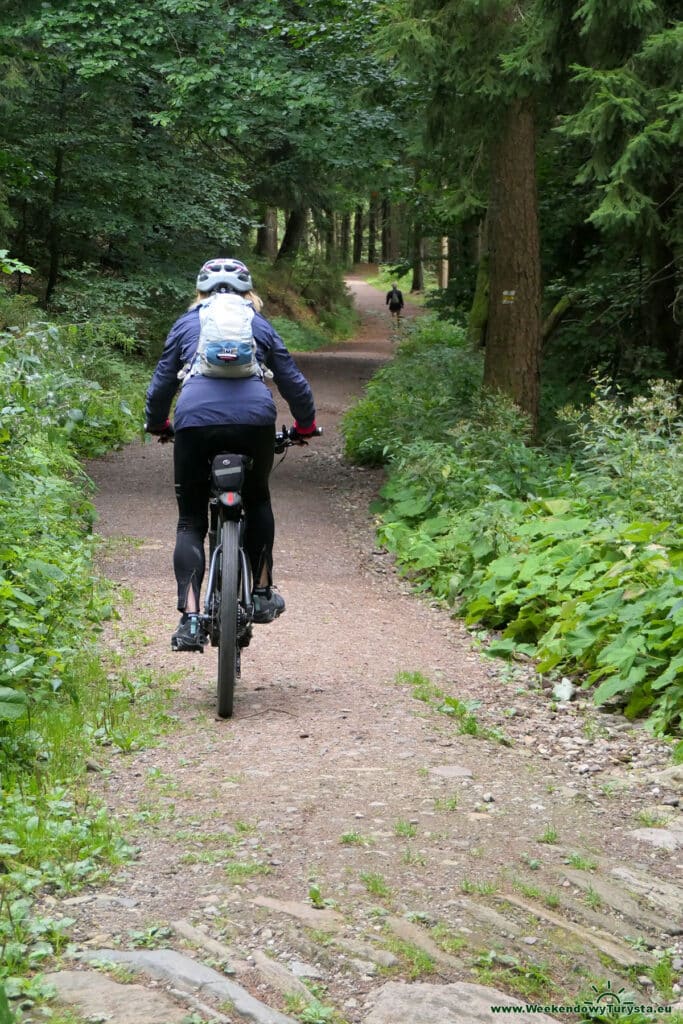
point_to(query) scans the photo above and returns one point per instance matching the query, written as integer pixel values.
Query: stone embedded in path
(366, 951)
(91, 994)
(662, 895)
(278, 977)
(231, 962)
(617, 898)
(489, 918)
(185, 973)
(600, 940)
(671, 777)
(328, 920)
(302, 970)
(669, 839)
(451, 771)
(416, 936)
(460, 1003)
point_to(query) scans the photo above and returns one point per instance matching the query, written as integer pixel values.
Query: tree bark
(295, 230)
(555, 317)
(330, 236)
(443, 263)
(394, 232)
(345, 239)
(386, 220)
(266, 235)
(54, 231)
(418, 281)
(372, 229)
(513, 341)
(358, 235)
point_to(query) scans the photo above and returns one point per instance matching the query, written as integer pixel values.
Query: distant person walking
(395, 302)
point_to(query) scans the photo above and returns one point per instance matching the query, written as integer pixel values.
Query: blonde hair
(256, 300)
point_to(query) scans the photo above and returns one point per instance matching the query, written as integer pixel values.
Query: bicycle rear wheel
(229, 584)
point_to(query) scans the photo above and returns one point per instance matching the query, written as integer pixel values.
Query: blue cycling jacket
(213, 401)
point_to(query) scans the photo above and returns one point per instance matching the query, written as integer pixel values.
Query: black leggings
(193, 451)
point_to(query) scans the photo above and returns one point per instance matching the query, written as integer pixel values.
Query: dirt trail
(530, 865)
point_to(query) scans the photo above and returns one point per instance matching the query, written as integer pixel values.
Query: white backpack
(227, 347)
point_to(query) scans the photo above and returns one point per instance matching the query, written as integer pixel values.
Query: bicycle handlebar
(289, 436)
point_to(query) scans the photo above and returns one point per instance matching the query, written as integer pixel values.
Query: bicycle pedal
(183, 647)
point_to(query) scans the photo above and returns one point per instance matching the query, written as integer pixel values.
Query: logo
(608, 997)
(607, 1004)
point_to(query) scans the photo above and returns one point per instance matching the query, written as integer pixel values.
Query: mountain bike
(227, 620)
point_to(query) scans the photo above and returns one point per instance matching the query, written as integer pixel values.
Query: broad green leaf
(610, 688)
(13, 704)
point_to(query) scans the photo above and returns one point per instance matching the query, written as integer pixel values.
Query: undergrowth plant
(573, 557)
(425, 391)
(66, 393)
(300, 337)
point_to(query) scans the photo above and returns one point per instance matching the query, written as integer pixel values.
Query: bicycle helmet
(224, 271)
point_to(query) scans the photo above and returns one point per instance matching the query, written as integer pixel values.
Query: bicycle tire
(229, 590)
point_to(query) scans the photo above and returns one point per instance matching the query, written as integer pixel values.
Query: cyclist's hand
(164, 431)
(303, 434)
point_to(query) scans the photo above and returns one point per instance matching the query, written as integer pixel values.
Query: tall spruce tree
(628, 126)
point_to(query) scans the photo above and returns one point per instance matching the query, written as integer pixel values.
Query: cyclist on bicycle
(215, 415)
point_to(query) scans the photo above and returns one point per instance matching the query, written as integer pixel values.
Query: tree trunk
(330, 236)
(443, 263)
(358, 235)
(54, 231)
(555, 317)
(418, 281)
(663, 332)
(394, 233)
(372, 229)
(479, 311)
(513, 341)
(295, 230)
(266, 235)
(386, 218)
(345, 240)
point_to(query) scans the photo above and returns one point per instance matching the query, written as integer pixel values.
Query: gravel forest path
(340, 831)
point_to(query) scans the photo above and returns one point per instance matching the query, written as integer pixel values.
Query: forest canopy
(528, 153)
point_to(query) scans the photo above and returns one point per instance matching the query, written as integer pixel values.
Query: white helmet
(226, 271)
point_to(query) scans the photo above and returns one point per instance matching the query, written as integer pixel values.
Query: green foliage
(16, 311)
(375, 884)
(632, 452)
(298, 337)
(126, 145)
(54, 835)
(49, 838)
(319, 287)
(417, 962)
(6, 1015)
(8, 265)
(527, 979)
(64, 392)
(387, 275)
(631, 117)
(576, 560)
(138, 306)
(423, 393)
(468, 723)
